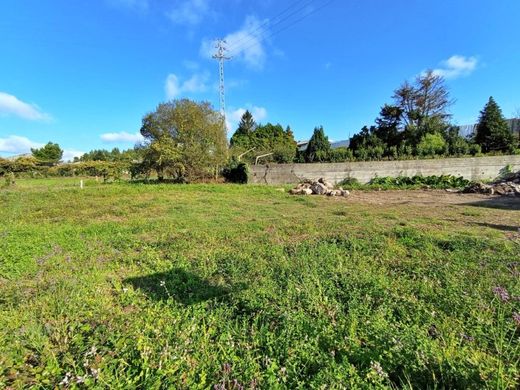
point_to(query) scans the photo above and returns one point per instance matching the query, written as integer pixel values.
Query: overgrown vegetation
(207, 286)
(184, 141)
(417, 124)
(407, 182)
(270, 141)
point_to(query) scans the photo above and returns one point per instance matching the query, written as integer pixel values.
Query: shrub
(236, 172)
(475, 149)
(340, 155)
(440, 182)
(431, 145)
(9, 179)
(349, 182)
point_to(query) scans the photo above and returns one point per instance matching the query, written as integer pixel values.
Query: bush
(9, 179)
(431, 145)
(475, 149)
(340, 155)
(236, 172)
(349, 182)
(439, 182)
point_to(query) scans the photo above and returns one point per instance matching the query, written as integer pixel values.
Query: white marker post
(81, 184)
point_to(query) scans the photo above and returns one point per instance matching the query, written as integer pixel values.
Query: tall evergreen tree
(318, 148)
(246, 126)
(492, 132)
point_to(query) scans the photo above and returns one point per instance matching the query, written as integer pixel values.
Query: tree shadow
(504, 228)
(183, 286)
(498, 202)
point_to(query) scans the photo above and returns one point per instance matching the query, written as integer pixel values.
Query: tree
(184, 140)
(49, 154)
(246, 126)
(424, 106)
(266, 139)
(418, 109)
(492, 132)
(113, 156)
(318, 148)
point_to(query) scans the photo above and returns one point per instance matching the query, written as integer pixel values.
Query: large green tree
(318, 148)
(49, 154)
(264, 139)
(492, 132)
(184, 140)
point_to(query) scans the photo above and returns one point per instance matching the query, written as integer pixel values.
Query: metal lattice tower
(220, 56)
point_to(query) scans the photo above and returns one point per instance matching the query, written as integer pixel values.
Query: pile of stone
(508, 185)
(320, 187)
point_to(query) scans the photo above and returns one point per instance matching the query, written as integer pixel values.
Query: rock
(318, 188)
(326, 183)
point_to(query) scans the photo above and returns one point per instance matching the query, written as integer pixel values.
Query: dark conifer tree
(492, 132)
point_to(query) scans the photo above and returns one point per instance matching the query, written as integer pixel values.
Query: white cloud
(456, 66)
(122, 136)
(233, 116)
(246, 44)
(189, 12)
(69, 154)
(15, 144)
(197, 83)
(11, 105)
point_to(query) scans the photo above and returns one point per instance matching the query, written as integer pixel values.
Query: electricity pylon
(220, 56)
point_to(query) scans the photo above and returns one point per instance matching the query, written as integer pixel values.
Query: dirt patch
(432, 197)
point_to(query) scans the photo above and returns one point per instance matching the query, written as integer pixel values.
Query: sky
(83, 73)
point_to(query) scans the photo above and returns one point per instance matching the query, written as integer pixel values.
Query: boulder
(318, 188)
(326, 183)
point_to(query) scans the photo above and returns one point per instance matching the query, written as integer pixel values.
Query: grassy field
(242, 287)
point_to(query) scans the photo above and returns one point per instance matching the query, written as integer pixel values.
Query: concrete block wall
(472, 168)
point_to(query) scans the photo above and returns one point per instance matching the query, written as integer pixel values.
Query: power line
(251, 34)
(240, 48)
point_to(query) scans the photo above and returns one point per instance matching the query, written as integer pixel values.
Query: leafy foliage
(50, 154)
(236, 172)
(416, 124)
(438, 182)
(110, 155)
(184, 140)
(263, 139)
(431, 144)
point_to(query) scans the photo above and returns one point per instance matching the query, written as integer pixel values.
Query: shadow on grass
(504, 228)
(183, 286)
(498, 202)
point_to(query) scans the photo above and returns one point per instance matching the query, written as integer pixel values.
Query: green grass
(225, 286)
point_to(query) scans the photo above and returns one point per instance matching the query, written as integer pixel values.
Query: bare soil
(434, 197)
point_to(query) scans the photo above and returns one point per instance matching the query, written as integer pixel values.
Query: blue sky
(83, 73)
